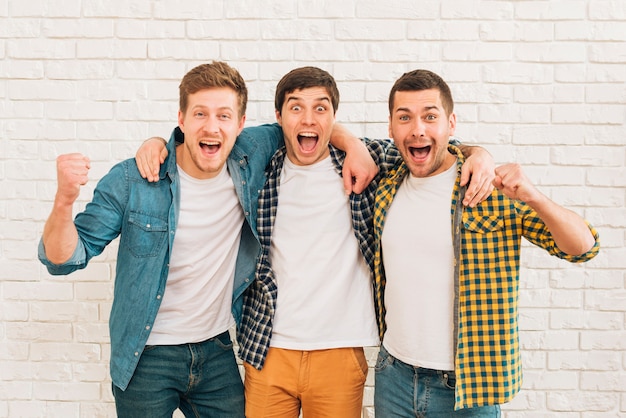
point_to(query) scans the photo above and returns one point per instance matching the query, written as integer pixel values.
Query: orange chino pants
(322, 383)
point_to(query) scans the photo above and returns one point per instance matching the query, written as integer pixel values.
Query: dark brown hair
(418, 80)
(304, 78)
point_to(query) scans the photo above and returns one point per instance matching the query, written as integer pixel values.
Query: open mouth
(307, 141)
(419, 153)
(210, 147)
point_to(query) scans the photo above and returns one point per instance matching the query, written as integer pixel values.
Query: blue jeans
(201, 379)
(402, 390)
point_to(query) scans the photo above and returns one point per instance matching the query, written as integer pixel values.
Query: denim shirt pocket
(145, 234)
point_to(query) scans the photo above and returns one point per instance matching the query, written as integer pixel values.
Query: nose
(210, 125)
(419, 128)
(308, 117)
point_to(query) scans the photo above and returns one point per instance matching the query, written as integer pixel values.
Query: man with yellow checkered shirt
(447, 276)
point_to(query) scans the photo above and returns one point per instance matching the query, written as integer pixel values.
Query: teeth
(307, 134)
(209, 143)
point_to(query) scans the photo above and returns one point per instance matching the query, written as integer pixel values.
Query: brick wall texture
(539, 82)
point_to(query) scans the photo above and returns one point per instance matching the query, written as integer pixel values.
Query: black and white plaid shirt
(259, 303)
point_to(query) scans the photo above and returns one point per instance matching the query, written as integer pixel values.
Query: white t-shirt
(324, 285)
(419, 266)
(198, 293)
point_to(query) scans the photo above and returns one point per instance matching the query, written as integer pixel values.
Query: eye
(431, 117)
(198, 114)
(295, 108)
(404, 118)
(320, 108)
(224, 116)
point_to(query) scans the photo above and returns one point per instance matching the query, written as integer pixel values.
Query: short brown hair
(215, 74)
(418, 80)
(304, 78)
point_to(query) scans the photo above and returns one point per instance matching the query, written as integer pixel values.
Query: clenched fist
(72, 171)
(511, 180)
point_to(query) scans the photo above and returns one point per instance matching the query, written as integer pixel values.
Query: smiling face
(307, 117)
(211, 124)
(420, 128)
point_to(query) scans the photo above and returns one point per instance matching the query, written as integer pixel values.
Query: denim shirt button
(136, 353)
(147, 327)
(158, 297)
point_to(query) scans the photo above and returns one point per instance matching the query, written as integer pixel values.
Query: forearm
(343, 139)
(59, 234)
(569, 231)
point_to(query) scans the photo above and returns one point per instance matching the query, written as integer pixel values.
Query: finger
(465, 175)
(144, 171)
(359, 184)
(347, 182)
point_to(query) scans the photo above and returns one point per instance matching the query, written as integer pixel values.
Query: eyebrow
(221, 108)
(319, 99)
(406, 109)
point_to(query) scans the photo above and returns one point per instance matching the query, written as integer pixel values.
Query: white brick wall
(541, 82)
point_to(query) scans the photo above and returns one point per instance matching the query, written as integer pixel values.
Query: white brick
(472, 10)
(554, 380)
(552, 340)
(116, 9)
(16, 389)
(584, 360)
(112, 49)
(232, 29)
(77, 28)
(66, 352)
(66, 391)
(17, 291)
(251, 9)
(70, 312)
(327, 9)
(577, 401)
(603, 340)
(368, 30)
(607, 10)
(34, 331)
(561, 10)
(97, 410)
(53, 8)
(44, 409)
(404, 9)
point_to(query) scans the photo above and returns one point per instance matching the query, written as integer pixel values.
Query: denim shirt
(145, 217)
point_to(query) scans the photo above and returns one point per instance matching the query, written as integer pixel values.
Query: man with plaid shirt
(309, 312)
(447, 276)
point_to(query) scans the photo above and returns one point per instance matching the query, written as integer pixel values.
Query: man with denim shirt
(183, 240)
(447, 276)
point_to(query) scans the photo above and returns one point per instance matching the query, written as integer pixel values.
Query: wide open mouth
(210, 146)
(420, 153)
(307, 141)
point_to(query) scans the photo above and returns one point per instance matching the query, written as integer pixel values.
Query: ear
(242, 122)
(279, 118)
(452, 122)
(389, 128)
(181, 120)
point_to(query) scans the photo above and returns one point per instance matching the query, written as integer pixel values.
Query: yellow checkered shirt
(487, 246)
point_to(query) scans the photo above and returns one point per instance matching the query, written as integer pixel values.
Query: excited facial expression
(307, 118)
(211, 124)
(421, 129)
